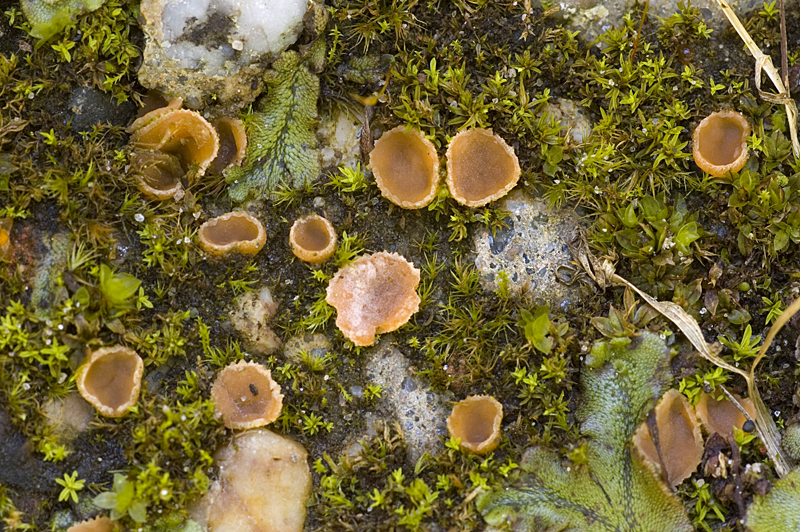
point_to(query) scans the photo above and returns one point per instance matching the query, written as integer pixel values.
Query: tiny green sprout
(63, 49)
(454, 444)
(49, 137)
(72, 485)
(372, 391)
(770, 11)
(536, 327)
(349, 179)
(747, 348)
(122, 500)
(507, 468)
(715, 87)
(772, 309)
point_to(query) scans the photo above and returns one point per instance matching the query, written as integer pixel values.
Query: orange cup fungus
(245, 396)
(6, 224)
(476, 422)
(481, 167)
(181, 132)
(111, 379)
(98, 524)
(679, 439)
(313, 238)
(232, 143)
(234, 231)
(170, 143)
(720, 143)
(159, 174)
(374, 294)
(720, 415)
(406, 167)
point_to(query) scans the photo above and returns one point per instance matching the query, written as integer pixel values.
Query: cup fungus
(406, 167)
(180, 132)
(111, 379)
(313, 238)
(481, 167)
(98, 524)
(374, 294)
(476, 421)
(245, 396)
(159, 174)
(232, 143)
(720, 143)
(720, 415)
(234, 231)
(679, 439)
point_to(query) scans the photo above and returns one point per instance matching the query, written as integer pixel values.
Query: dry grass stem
(764, 62)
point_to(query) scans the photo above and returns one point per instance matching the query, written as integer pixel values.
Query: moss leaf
(778, 510)
(281, 144)
(614, 490)
(48, 18)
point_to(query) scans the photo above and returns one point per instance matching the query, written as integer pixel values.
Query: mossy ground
(732, 262)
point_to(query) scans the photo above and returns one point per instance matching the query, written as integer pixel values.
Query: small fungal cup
(111, 379)
(180, 132)
(481, 167)
(720, 143)
(374, 294)
(476, 422)
(313, 239)
(245, 396)
(234, 231)
(679, 438)
(406, 167)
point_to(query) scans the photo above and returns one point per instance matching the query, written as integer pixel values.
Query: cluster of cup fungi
(377, 292)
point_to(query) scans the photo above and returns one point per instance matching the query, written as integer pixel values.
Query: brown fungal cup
(232, 143)
(98, 524)
(679, 439)
(313, 238)
(180, 132)
(111, 379)
(234, 231)
(476, 422)
(721, 416)
(481, 167)
(720, 143)
(374, 294)
(406, 167)
(246, 396)
(159, 174)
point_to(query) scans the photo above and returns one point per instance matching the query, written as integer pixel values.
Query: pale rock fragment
(197, 49)
(263, 486)
(250, 316)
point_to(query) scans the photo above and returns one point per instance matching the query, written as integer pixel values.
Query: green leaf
(687, 234)
(138, 512)
(614, 490)
(106, 500)
(536, 327)
(281, 143)
(781, 240)
(118, 288)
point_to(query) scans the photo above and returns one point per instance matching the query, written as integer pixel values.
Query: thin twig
(764, 62)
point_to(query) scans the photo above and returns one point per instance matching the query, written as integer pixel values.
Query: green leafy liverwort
(611, 489)
(778, 510)
(281, 145)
